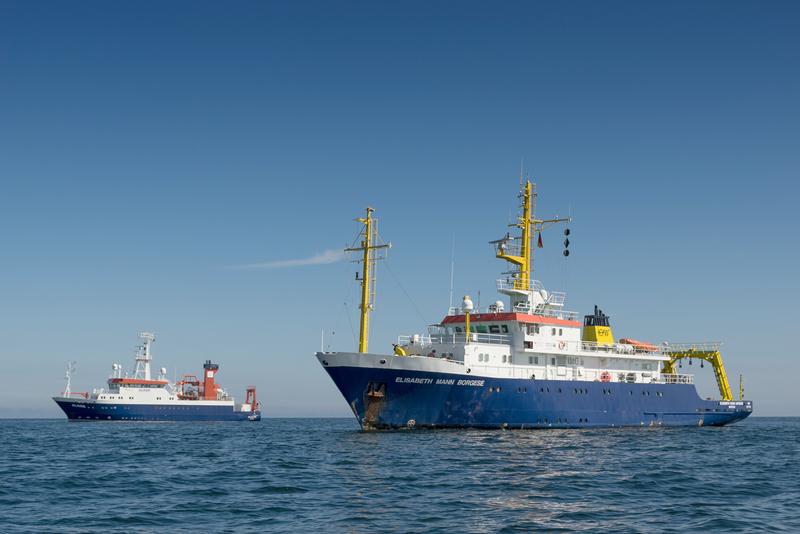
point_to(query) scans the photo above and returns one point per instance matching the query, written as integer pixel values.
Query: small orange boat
(639, 345)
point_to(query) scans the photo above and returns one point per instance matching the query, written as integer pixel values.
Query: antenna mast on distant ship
(68, 377)
(369, 244)
(143, 357)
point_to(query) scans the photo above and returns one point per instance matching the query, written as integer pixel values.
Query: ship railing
(704, 346)
(510, 284)
(545, 311)
(618, 348)
(454, 310)
(675, 379)
(453, 339)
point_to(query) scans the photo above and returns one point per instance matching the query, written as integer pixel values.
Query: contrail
(328, 256)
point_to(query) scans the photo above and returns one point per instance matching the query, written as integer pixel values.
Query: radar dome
(466, 304)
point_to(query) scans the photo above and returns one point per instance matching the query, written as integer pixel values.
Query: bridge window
(494, 329)
(533, 329)
(504, 328)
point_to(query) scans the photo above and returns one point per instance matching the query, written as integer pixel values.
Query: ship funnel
(597, 328)
(210, 387)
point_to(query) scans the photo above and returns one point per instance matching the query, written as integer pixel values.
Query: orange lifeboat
(639, 345)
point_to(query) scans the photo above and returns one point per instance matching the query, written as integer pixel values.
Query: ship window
(560, 331)
(528, 344)
(509, 358)
(481, 329)
(533, 329)
(536, 360)
(530, 360)
(458, 330)
(504, 358)
(494, 329)
(504, 328)
(552, 361)
(554, 331)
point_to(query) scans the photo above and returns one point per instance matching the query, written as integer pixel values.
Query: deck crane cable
(350, 320)
(403, 289)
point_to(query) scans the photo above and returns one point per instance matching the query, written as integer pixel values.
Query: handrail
(456, 338)
(702, 346)
(509, 284)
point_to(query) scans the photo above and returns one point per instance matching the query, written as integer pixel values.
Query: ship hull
(382, 397)
(77, 409)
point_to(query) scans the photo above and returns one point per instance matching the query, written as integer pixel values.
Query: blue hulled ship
(523, 362)
(141, 397)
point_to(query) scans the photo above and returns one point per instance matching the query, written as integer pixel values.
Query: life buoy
(605, 376)
(562, 345)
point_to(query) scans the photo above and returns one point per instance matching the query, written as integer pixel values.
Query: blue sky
(147, 149)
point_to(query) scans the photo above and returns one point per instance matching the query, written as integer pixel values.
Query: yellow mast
(368, 237)
(530, 225)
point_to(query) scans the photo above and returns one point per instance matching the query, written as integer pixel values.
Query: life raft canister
(605, 376)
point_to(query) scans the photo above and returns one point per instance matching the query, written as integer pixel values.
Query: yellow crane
(702, 351)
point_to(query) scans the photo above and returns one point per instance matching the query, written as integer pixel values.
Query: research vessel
(140, 397)
(523, 362)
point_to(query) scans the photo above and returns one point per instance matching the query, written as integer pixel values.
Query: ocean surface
(300, 475)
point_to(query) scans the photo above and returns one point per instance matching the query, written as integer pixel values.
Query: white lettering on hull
(439, 381)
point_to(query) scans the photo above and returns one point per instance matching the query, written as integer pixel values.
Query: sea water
(300, 475)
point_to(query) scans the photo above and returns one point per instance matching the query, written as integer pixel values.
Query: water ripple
(294, 474)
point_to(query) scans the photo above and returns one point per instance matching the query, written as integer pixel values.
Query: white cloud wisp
(323, 258)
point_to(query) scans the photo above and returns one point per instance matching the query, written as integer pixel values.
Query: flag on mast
(539, 243)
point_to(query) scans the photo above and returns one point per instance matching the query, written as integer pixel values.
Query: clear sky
(149, 150)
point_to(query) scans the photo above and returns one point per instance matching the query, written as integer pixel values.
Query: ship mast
(368, 244)
(143, 357)
(522, 256)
